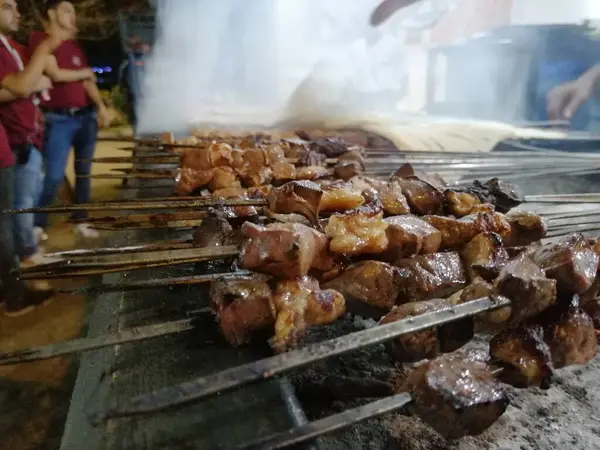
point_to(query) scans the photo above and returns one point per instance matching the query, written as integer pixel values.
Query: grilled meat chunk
(457, 232)
(592, 308)
(524, 357)
(311, 173)
(356, 232)
(459, 204)
(330, 147)
(339, 197)
(570, 334)
(526, 285)
(242, 307)
(525, 228)
(392, 199)
(408, 236)
(571, 262)
(283, 172)
(299, 197)
(504, 196)
(430, 276)
(188, 180)
(369, 287)
(406, 170)
(484, 256)
(480, 288)
(287, 250)
(217, 154)
(310, 158)
(456, 394)
(214, 231)
(224, 177)
(422, 197)
(232, 212)
(298, 304)
(428, 343)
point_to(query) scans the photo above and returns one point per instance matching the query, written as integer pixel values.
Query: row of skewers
(410, 251)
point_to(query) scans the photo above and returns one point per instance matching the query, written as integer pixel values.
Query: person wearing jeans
(20, 132)
(62, 131)
(73, 112)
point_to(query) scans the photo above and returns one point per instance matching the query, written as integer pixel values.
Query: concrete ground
(34, 397)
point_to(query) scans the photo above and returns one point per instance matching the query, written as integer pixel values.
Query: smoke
(251, 64)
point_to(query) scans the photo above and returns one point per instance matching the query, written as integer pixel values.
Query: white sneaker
(84, 230)
(40, 234)
(36, 260)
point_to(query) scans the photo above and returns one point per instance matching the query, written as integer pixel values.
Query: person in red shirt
(20, 133)
(73, 112)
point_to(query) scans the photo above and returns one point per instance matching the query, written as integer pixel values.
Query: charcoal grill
(235, 418)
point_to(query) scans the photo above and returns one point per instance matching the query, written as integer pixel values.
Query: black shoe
(19, 305)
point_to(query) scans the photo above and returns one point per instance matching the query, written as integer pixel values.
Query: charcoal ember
(456, 394)
(524, 357)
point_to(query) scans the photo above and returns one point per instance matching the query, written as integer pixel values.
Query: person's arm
(58, 75)
(93, 93)
(25, 82)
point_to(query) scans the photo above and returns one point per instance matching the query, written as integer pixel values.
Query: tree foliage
(96, 19)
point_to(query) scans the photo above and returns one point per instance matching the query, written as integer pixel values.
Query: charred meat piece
(570, 334)
(423, 197)
(242, 307)
(214, 231)
(369, 287)
(311, 173)
(526, 285)
(298, 304)
(430, 276)
(428, 343)
(457, 232)
(188, 180)
(406, 170)
(297, 197)
(356, 232)
(571, 262)
(311, 158)
(339, 197)
(349, 165)
(525, 228)
(287, 250)
(409, 236)
(456, 394)
(524, 356)
(345, 170)
(504, 196)
(484, 256)
(330, 147)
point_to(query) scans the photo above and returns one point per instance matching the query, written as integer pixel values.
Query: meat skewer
(275, 365)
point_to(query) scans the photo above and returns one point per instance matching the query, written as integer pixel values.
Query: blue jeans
(62, 133)
(26, 195)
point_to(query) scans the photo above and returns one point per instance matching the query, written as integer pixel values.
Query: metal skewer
(281, 363)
